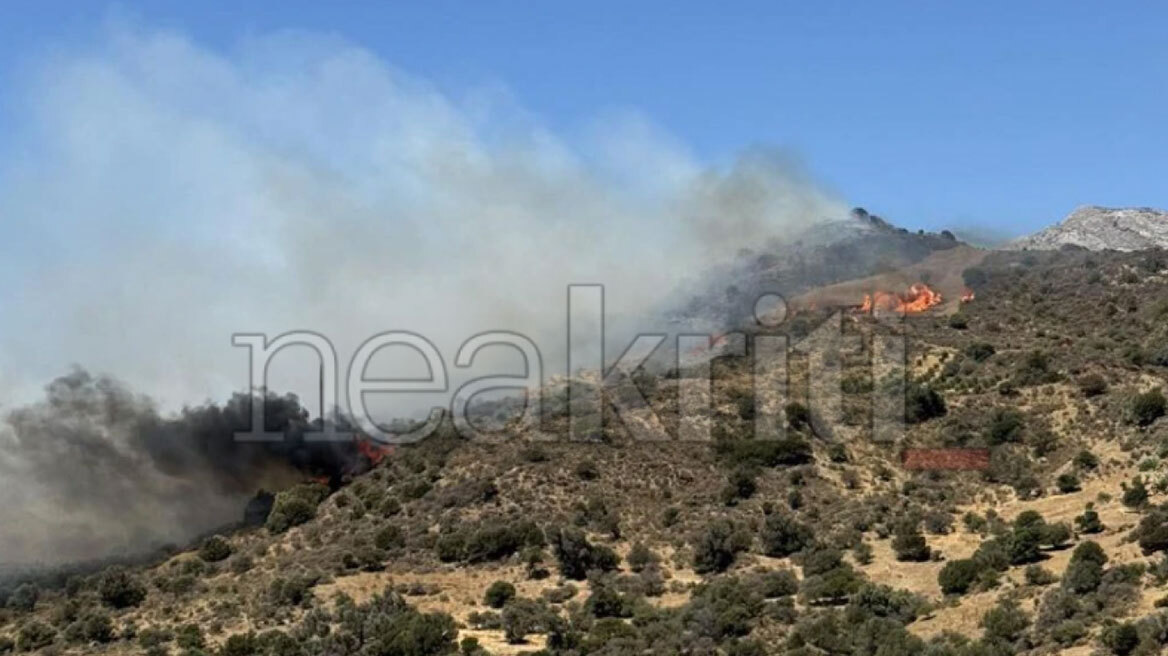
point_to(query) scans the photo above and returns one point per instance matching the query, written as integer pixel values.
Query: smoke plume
(163, 196)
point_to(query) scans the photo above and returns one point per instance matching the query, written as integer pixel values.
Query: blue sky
(997, 114)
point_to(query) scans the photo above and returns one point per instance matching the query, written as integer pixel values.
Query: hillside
(1103, 228)
(817, 543)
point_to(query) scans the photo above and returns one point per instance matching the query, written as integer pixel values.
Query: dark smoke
(94, 470)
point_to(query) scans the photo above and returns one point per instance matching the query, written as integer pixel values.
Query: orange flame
(920, 297)
(967, 295)
(375, 453)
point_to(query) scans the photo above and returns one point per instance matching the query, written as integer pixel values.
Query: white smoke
(163, 196)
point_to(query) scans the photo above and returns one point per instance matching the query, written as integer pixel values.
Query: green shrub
(781, 535)
(1067, 483)
(577, 556)
(24, 598)
(957, 576)
(34, 635)
(295, 506)
(119, 589)
(498, 594)
(214, 549)
(389, 537)
(717, 545)
(922, 403)
(1085, 571)
(1147, 407)
(909, 545)
(1092, 385)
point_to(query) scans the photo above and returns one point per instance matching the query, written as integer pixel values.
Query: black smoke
(95, 470)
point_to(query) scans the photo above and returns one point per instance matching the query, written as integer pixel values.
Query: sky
(173, 173)
(1000, 115)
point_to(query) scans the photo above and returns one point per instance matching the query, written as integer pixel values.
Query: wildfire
(920, 297)
(375, 453)
(967, 295)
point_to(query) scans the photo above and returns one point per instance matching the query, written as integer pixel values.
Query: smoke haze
(163, 196)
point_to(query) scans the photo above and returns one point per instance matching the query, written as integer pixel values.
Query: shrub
(119, 589)
(1089, 522)
(577, 556)
(1122, 639)
(1067, 483)
(741, 485)
(640, 557)
(214, 549)
(979, 351)
(1005, 622)
(24, 598)
(781, 535)
(97, 627)
(389, 537)
(586, 470)
(35, 635)
(1086, 460)
(957, 576)
(1037, 575)
(1005, 426)
(1092, 385)
(1152, 531)
(922, 403)
(498, 594)
(1147, 407)
(1136, 494)
(1085, 571)
(958, 322)
(295, 506)
(717, 545)
(909, 545)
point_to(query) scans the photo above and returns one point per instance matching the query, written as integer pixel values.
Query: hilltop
(1103, 228)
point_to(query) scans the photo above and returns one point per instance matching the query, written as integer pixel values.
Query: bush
(717, 545)
(389, 537)
(1136, 494)
(577, 556)
(1005, 622)
(1085, 571)
(24, 598)
(909, 545)
(1089, 522)
(979, 351)
(922, 403)
(295, 506)
(957, 576)
(35, 635)
(586, 470)
(1122, 639)
(1152, 531)
(214, 549)
(640, 557)
(97, 627)
(1037, 575)
(1067, 483)
(1005, 426)
(1086, 460)
(498, 594)
(782, 536)
(1147, 407)
(119, 589)
(1092, 385)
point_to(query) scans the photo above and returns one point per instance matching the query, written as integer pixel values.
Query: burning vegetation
(918, 298)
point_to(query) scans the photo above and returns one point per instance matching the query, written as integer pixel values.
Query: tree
(1152, 531)
(1085, 571)
(957, 576)
(498, 594)
(1122, 639)
(717, 545)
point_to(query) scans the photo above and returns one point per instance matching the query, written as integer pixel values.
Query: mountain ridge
(1095, 227)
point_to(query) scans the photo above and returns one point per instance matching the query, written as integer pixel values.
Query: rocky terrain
(1103, 228)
